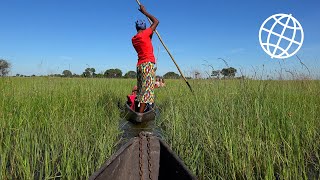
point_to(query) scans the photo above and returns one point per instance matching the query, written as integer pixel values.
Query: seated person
(157, 83)
(162, 84)
(131, 97)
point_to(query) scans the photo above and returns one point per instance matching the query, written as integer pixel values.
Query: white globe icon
(281, 36)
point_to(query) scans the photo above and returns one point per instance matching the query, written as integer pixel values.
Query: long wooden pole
(169, 53)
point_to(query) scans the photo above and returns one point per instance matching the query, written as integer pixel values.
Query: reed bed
(56, 128)
(245, 129)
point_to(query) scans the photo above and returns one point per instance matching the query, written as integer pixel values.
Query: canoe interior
(135, 161)
(136, 117)
(171, 166)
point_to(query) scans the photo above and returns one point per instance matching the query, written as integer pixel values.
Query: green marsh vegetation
(231, 129)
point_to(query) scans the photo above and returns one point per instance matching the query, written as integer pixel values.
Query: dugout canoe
(143, 157)
(136, 117)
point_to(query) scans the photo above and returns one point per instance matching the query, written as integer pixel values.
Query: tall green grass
(244, 129)
(232, 129)
(53, 128)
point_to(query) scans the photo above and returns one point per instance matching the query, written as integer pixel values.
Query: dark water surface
(130, 130)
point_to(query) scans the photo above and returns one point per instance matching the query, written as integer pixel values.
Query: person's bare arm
(154, 20)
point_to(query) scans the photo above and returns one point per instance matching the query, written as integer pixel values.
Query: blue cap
(140, 25)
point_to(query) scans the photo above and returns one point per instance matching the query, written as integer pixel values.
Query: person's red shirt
(143, 45)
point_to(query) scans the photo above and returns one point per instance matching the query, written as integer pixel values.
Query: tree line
(110, 73)
(229, 72)
(91, 73)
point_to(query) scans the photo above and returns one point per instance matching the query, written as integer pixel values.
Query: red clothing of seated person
(131, 97)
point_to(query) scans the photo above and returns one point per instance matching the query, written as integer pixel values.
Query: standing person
(146, 60)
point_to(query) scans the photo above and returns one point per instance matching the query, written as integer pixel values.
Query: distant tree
(229, 72)
(57, 75)
(216, 73)
(85, 74)
(171, 75)
(130, 74)
(100, 75)
(67, 73)
(93, 72)
(4, 67)
(113, 73)
(17, 75)
(76, 75)
(89, 72)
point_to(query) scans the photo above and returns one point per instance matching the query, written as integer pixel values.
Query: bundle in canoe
(143, 157)
(136, 117)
